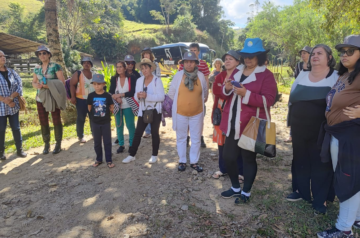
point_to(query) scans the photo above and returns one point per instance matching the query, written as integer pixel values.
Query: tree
(168, 8)
(52, 33)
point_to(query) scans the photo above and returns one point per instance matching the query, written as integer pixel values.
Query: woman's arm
(60, 76)
(159, 94)
(138, 88)
(35, 83)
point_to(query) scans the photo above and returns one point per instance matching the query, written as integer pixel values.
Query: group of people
(324, 115)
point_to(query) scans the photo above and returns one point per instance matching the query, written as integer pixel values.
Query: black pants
(102, 132)
(311, 175)
(140, 128)
(231, 154)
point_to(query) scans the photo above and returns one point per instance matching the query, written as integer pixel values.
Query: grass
(31, 6)
(284, 76)
(141, 28)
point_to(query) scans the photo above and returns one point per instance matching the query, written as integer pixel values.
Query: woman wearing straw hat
(10, 89)
(46, 73)
(188, 91)
(256, 82)
(149, 93)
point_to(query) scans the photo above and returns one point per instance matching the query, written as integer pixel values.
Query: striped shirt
(203, 68)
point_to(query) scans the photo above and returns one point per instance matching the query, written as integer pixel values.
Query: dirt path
(62, 196)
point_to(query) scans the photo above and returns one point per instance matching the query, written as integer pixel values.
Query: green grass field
(141, 28)
(31, 6)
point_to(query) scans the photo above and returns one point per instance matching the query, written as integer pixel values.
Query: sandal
(241, 179)
(182, 167)
(289, 140)
(196, 167)
(110, 165)
(218, 174)
(147, 135)
(97, 163)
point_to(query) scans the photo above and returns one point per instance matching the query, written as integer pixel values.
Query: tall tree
(52, 33)
(168, 8)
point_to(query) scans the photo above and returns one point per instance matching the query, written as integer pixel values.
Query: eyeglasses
(42, 53)
(348, 52)
(130, 63)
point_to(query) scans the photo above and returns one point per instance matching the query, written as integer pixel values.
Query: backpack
(67, 85)
(167, 106)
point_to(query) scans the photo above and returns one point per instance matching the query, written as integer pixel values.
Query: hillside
(31, 6)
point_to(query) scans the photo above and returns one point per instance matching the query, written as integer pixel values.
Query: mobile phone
(236, 84)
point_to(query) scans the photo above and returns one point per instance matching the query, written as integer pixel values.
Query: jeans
(129, 117)
(102, 132)
(82, 111)
(349, 209)
(15, 127)
(148, 129)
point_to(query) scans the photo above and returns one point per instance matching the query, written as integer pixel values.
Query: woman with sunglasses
(149, 93)
(341, 139)
(45, 72)
(254, 81)
(122, 89)
(130, 66)
(10, 89)
(313, 179)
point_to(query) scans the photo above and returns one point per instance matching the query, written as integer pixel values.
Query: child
(100, 104)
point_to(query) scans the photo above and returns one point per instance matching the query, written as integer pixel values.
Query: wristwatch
(12, 99)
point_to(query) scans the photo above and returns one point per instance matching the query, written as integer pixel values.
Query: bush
(184, 28)
(108, 46)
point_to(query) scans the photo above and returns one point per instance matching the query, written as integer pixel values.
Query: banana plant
(108, 71)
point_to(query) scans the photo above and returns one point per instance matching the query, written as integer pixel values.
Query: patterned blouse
(49, 74)
(15, 86)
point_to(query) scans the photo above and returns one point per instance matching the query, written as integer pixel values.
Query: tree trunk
(52, 34)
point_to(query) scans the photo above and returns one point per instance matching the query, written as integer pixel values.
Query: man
(80, 87)
(203, 68)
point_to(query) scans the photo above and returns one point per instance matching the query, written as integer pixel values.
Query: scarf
(190, 78)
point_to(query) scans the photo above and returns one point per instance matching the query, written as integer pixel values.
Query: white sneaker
(153, 159)
(128, 159)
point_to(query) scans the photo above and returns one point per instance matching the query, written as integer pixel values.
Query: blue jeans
(82, 111)
(148, 129)
(349, 209)
(15, 127)
(102, 132)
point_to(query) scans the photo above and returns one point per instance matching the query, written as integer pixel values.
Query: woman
(130, 66)
(304, 54)
(122, 89)
(146, 53)
(49, 81)
(342, 137)
(306, 113)
(150, 94)
(188, 91)
(232, 60)
(217, 68)
(10, 89)
(242, 103)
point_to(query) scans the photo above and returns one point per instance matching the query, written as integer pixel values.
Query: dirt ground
(63, 196)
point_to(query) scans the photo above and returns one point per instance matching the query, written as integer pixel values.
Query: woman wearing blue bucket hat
(253, 82)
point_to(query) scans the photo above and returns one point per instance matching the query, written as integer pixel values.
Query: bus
(169, 55)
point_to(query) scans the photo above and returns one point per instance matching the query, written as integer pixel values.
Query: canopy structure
(16, 45)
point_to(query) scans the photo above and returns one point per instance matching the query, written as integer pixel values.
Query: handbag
(148, 114)
(259, 135)
(216, 118)
(22, 103)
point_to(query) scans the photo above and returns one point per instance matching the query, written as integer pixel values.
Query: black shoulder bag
(217, 115)
(148, 114)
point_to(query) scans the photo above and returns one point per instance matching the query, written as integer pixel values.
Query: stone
(52, 184)
(184, 207)
(221, 178)
(194, 172)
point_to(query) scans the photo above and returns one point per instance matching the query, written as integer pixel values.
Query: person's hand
(7, 100)
(114, 96)
(12, 104)
(73, 100)
(144, 95)
(352, 112)
(38, 85)
(119, 100)
(45, 86)
(240, 91)
(139, 95)
(228, 85)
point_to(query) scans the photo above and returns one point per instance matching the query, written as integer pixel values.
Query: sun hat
(146, 61)
(87, 59)
(129, 58)
(42, 48)
(146, 49)
(190, 56)
(349, 41)
(306, 48)
(252, 47)
(232, 53)
(98, 78)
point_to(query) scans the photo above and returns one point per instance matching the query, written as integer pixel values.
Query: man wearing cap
(80, 87)
(188, 90)
(203, 68)
(130, 66)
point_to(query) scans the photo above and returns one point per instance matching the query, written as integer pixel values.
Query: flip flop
(241, 179)
(218, 174)
(97, 163)
(110, 165)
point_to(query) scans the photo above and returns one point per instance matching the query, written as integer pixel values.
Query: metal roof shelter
(16, 45)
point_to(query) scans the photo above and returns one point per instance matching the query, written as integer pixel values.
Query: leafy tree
(184, 28)
(168, 8)
(108, 46)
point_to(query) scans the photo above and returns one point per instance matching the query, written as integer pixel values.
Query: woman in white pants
(189, 91)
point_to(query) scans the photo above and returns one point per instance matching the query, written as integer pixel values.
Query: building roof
(16, 45)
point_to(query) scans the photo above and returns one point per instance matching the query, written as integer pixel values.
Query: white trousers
(195, 125)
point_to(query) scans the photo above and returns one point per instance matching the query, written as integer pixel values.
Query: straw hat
(148, 62)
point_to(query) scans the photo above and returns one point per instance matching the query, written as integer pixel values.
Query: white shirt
(124, 89)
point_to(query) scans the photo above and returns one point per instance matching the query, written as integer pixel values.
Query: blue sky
(236, 10)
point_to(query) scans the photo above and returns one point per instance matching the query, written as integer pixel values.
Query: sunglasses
(130, 63)
(348, 52)
(42, 53)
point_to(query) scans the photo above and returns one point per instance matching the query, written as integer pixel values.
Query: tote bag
(259, 135)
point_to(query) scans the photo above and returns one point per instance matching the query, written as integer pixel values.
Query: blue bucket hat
(252, 47)
(98, 78)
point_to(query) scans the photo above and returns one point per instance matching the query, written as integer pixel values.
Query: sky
(236, 10)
